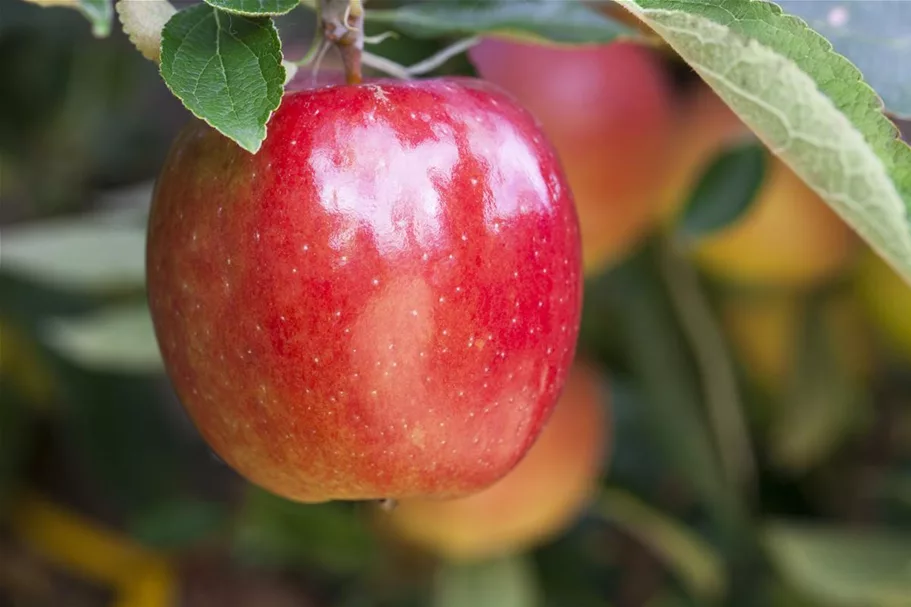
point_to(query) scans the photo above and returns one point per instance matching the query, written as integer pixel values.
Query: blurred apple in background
(540, 498)
(765, 332)
(607, 109)
(809, 356)
(886, 299)
(761, 330)
(788, 237)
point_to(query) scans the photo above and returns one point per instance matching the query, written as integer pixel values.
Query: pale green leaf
(502, 582)
(119, 339)
(85, 255)
(255, 8)
(143, 22)
(854, 568)
(227, 69)
(551, 20)
(806, 102)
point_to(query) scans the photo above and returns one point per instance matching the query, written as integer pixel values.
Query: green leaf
(693, 561)
(551, 20)
(898, 486)
(122, 431)
(858, 568)
(503, 582)
(16, 437)
(227, 69)
(84, 255)
(873, 35)
(824, 400)
(272, 531)
(178, 523)
(663, 372)
(255, 8)
(807, 103)
(119, 339)
(725, 191)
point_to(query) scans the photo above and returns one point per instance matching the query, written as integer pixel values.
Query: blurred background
(751, 358)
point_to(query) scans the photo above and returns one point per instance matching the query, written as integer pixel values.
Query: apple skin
(540, 498)
(383, 302)
(608, 111)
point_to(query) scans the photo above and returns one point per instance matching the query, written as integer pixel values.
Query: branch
(343, 25)
(418, 69)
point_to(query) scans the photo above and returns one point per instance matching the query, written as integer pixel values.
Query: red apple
(608, 110)
(383, 302)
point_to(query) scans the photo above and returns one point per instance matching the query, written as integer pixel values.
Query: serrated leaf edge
(241, 13)
(891, 235)
(253, 149)
(143, 22)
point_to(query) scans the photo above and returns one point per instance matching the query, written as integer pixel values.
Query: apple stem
(380, 37)
(343, 25)
(444, 55)
(418, 69)
(387, 66)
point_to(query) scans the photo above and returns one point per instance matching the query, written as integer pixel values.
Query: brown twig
(343, 26)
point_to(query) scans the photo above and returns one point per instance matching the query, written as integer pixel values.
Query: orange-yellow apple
(788, 237)
(608, 111)
(544, 494)
(764, 330)
(886, 299)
